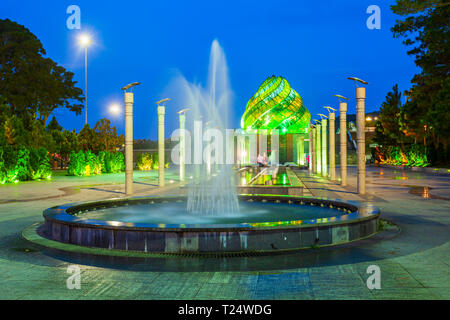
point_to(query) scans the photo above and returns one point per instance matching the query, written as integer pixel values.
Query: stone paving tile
(404, 294)
(349, 292)
(213, 291)
(176, 290)
(441, 293)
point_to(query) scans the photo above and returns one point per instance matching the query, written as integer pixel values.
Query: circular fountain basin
(162, 225)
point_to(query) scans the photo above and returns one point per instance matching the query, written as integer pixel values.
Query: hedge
(87, 163)
(414, 155)
(24, 164)
(148, 161)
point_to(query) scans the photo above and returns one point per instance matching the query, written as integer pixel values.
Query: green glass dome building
(276, 105)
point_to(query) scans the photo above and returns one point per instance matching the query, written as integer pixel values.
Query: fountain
(212, 218)
(213, 192)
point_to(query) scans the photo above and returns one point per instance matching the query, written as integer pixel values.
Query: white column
(324, 149)
(310, 150)
(301, 151)
(343, 141)
(129, 99)
(161, 148)
(319, 148)
(332, 118)
(361, 138)
(314, 148)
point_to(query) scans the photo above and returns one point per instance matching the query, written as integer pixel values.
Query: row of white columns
(129, 100)
(318, 143)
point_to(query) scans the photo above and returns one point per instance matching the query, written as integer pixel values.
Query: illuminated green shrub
(415, 155)
(148, 161)
(87, 163)
(111, 162)
(77, 165)
(24, 164)
(40, 164)
(145, 162)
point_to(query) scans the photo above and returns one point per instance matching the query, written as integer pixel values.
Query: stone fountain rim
(65, 214)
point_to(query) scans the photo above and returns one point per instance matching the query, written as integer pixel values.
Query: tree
(69, 144)
(87, 139)
(425, 30)
(387, 129)
(107, 136)
(53, 125)
(33, 86)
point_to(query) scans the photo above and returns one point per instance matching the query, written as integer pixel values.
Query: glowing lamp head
(84, 40)
(115, 109)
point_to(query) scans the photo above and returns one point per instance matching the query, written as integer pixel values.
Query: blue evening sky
(315, 45)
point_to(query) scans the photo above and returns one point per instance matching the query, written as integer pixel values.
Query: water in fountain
(212, 189)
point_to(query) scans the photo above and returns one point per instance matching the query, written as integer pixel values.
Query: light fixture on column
(324, 145)
(161, 145)
(129, 100)
(332, 144)
(361, 135)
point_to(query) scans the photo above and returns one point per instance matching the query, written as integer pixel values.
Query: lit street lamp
(85, 41)
(129, 99)
(332, 118)
(161, 146)
(324, 145)
(115, 109)
(343, 137)
(360, 134)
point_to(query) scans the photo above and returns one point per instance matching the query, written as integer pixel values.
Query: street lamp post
(85, 42)
(360, 134)
(129, 99)
(161, 146)
(324, 145)
(318, 147)
(310, 150)
(343, 137)
(332, 118)
(313, 148)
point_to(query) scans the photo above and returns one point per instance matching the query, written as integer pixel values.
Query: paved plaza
(413, 256)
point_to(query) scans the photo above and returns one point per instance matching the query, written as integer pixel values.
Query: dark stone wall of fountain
(213, 240)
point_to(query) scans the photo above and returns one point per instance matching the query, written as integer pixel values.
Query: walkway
(414, 264)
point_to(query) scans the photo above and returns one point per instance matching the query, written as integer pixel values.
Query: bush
(87, 163)
(145, 162)
(414, 155)
(112, 162)
(24, 164)
(77, 165)
(148, 161)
